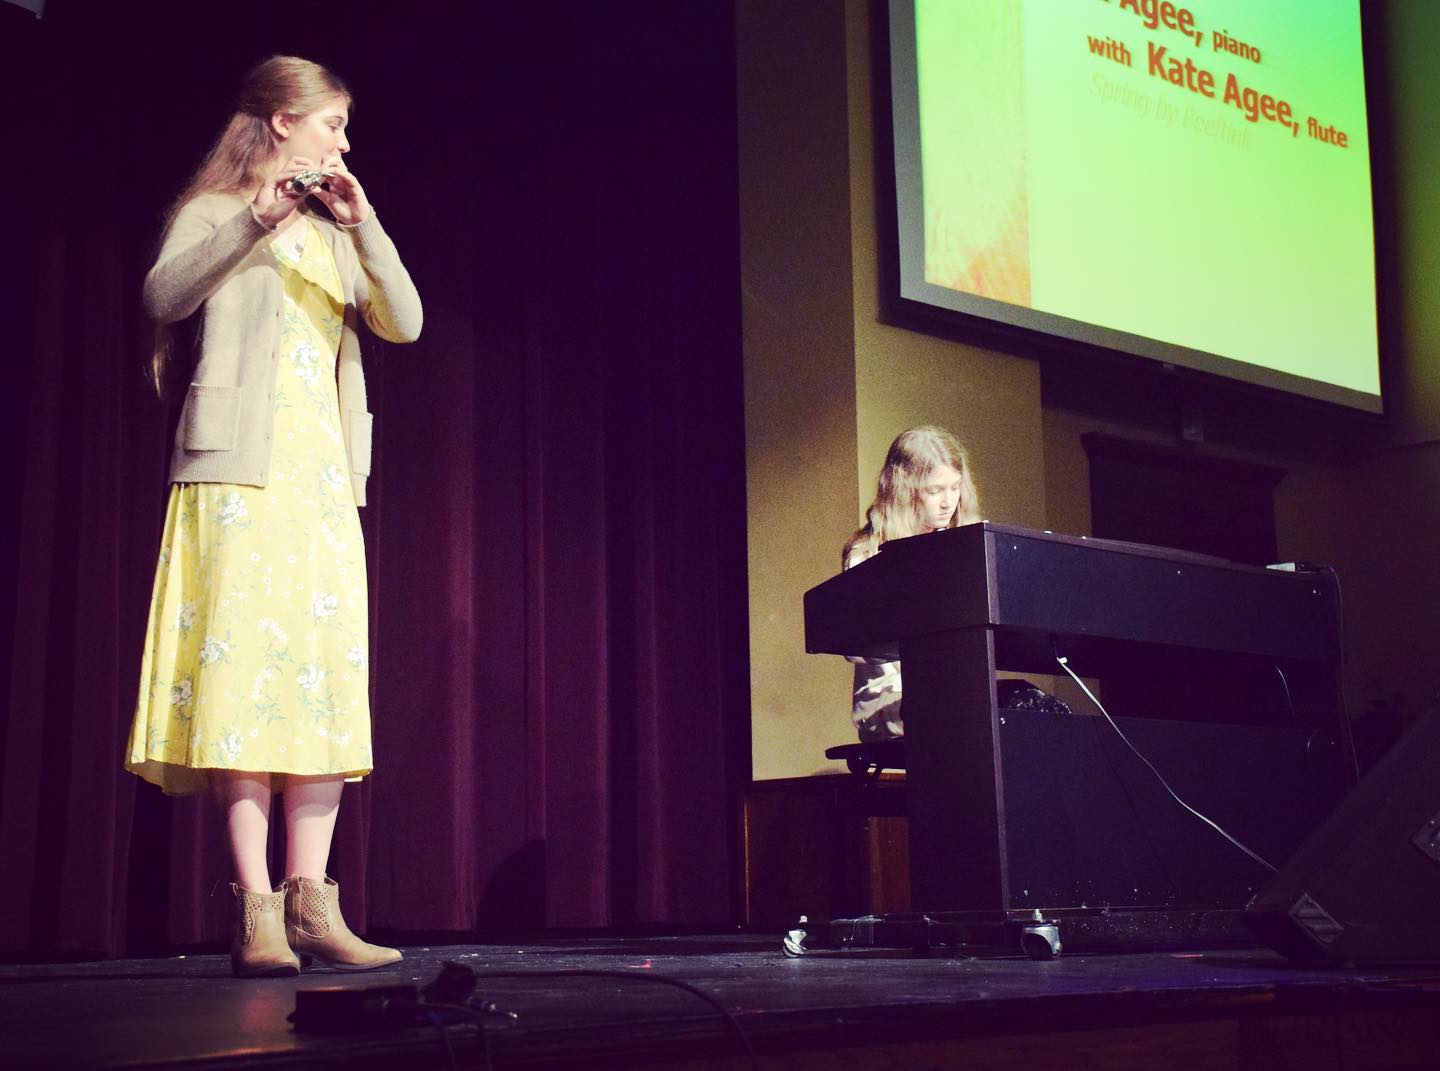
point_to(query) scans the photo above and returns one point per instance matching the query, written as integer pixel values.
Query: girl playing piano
(924, 485)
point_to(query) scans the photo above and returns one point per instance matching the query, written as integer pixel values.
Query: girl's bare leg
(311, 805)
(245, 797)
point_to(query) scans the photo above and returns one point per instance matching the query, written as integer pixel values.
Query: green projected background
(1176, 179)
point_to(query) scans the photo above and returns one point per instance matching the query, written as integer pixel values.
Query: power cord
(433, 1017)
(342, 1010)
(475, 1016)
(351, 1010)
(657, 979)
(1065, 665)
(1289, 699)
(1344, 702)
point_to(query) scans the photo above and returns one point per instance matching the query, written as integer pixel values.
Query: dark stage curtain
(556, 528)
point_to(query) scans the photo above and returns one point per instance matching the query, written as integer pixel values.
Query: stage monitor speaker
(1365, 886)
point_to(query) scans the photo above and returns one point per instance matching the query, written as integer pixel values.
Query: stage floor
(852, 1009)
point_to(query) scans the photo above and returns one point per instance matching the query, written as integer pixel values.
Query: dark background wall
(555, 534)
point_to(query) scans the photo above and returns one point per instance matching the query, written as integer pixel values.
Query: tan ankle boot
(315, 927)
(258, 948)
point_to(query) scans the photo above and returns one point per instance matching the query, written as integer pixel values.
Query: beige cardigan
(216, 263)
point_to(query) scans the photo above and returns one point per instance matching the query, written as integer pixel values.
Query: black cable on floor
(657, 979)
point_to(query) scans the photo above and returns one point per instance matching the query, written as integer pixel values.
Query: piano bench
(871, 806)
(870, 759)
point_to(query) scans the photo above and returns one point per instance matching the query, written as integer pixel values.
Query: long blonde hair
(246, 149)
(897, 509)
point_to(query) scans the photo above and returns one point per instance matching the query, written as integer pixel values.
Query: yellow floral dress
(256, 654)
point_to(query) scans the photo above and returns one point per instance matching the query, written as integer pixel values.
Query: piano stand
(1023, 818)
(1038, 935)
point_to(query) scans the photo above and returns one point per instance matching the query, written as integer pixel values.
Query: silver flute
(308, 180)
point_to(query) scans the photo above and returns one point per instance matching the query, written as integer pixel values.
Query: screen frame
(908, 301)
